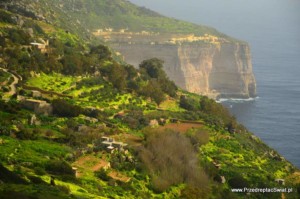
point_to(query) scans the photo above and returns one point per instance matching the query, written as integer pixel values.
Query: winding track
(12, 86)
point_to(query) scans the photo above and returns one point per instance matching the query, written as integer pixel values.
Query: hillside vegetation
(72, 96)
(85, 16)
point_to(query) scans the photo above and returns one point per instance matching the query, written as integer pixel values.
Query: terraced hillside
(85, 125)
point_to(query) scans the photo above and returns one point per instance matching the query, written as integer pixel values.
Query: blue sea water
(272, 28)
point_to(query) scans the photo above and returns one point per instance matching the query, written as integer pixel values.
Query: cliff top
(123, 35)
(83, 17)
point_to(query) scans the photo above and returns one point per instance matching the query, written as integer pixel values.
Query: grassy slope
(238, 154)
(116, 14)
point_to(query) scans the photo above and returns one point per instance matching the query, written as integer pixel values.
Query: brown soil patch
(181, 127)
(89, 163)
(100, 164)
(117, 176)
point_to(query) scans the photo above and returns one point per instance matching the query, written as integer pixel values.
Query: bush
(102, 174)
(59, 167)
(194, 193)
(188, 103)
(28, 134)
(7, 176)
(36, 180)
(6, 17)
(198, 137)
(39, 171)
(170, 159)
(238, 182)
(64, 188)
(64, 109)
(10, 107)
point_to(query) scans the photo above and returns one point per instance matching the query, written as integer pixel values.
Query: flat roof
(106, 142)
(37, 44)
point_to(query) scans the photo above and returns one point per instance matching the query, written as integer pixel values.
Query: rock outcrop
(214, 69)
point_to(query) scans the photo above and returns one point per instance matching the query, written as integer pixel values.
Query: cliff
(209, 63)
(215, 70)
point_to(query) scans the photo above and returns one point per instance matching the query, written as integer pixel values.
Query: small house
(36, 93)
(38, 106)
(110, 144)
(41, 46)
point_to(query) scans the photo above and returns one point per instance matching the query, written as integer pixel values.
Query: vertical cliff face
(223, 70)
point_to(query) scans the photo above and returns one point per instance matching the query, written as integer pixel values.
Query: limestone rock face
(223, 70)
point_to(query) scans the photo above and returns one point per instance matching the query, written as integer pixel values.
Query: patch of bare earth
(118, 176)
(91, 163)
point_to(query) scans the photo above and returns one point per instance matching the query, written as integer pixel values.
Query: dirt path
(12, 86)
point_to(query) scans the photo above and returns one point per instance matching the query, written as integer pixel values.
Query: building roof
(107, 143)
(36, 44)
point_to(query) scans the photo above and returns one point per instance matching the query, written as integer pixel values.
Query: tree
(153, 90)
(131, 72)
(153, 67)
(101, 51)
(188, 103)
(117, 76)
(72, 64)
(168, 86)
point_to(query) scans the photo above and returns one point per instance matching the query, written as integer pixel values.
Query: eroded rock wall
(223, 70)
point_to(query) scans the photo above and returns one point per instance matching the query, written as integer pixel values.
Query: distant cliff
(209, 63)
(220, 69)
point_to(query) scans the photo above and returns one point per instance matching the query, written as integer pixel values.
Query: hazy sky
(227, 14)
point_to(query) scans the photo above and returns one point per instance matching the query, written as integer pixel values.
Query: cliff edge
(204, 65)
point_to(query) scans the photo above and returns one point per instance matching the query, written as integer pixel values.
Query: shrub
(238, 182)
(6, 17)
(28, 134)
(36, 180)
(10, 107)
(64, 188)
(64, 109)
(194, 193)
(7, 176)
(198, 137)
(188, 103)
(59, 167)
(102, 174)
(39, 171)
(170, 159)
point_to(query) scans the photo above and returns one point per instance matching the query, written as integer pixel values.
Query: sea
(272, 29)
